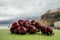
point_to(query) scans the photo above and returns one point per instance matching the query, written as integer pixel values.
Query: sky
(10, 9)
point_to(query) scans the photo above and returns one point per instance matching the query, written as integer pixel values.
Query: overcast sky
(10, 9)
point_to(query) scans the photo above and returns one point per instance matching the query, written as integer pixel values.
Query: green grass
(6, 35)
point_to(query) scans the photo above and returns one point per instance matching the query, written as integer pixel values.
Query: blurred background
(13, 10)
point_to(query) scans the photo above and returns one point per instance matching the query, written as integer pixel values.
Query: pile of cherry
(26, 26)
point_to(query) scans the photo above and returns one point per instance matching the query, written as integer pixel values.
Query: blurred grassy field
(6, 35)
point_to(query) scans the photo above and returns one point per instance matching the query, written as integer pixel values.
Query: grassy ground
(6, 35)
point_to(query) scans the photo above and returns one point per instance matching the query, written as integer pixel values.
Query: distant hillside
(51, 15)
